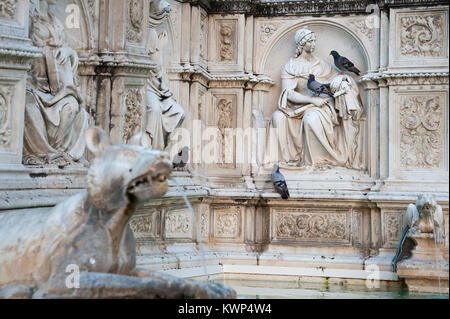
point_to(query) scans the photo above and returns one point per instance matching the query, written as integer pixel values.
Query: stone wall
(223, 63)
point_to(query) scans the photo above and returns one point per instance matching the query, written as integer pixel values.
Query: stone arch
(317, 22)
(81, 39)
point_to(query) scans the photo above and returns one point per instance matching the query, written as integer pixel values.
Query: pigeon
(180, 160)
(317, 87)
(344, 64)
(279, 182)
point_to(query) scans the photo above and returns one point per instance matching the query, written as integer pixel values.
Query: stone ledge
(278, 271)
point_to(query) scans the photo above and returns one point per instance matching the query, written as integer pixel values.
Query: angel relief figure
(309, 130)
(55, 120)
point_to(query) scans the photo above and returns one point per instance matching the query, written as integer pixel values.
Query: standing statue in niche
(55, 120)
(164, 114)
(312, 130)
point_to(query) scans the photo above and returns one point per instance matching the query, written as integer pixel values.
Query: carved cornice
(305, 7)
(199, 74)
(30, 53)
(116, 65)
(19, 59)
(409, 3)
(410, 78)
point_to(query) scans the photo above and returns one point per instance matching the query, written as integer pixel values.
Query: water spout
(195, 222)
(437, 264)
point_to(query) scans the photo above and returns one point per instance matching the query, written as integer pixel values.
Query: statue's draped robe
(164, 114)
(54, 119)
(310, 135)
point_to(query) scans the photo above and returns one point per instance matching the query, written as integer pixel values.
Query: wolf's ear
(97, 141)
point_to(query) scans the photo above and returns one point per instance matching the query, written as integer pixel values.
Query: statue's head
(159, 11)
(305, 40)
(426, 204)
(123, 174)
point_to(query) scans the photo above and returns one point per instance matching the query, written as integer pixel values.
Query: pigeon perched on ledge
(181, 159)
(344, 64)
(317, 87)
(279, 182)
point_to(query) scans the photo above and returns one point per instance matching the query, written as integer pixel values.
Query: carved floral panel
(224, 113)
(363, 27)
(92, 5)
(133, 113)
(204, 221)
(392, 225)
(422, 35)
(267, 30)
(6, 93)
(305, 225)
(226, 44)
(142, 225)
(178, 224)
(203, 36)
(7, 9)
(227, 222)
(421, 131)
(135, 17)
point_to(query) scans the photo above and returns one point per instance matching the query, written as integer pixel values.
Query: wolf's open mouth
(144, 182)
(139, 183)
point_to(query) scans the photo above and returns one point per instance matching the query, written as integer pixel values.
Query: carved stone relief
(178, 224)
(133, 113)
(163, 114)
(361, 27)
(204, 221)
(53, 136)
(201, 103)
(5, 113)
(421, 131)
(224, 122)
(203, 36)
(299, 138)
(267, 30)
(422, 35)
(357, 227)
(91, 8)
(304, 225)
(227, 222)
(226, 42)
(142, 225)
(392, 224)
(135, 19)
(7, 9)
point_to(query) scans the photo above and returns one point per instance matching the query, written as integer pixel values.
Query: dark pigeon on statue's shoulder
(181, 159)
(344, 64)
(279, 182)
(317, 87)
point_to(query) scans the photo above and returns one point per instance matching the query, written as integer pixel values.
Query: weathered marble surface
(90, 232)
(312, 130)
(222, 62)
(55, 119)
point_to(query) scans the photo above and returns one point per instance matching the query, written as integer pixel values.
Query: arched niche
(167, 50)
(330, 36)
(80, 39)
(169, 55)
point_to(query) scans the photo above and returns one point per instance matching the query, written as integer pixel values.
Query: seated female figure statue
(54, 119)
(311, 130)
(164, 114)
